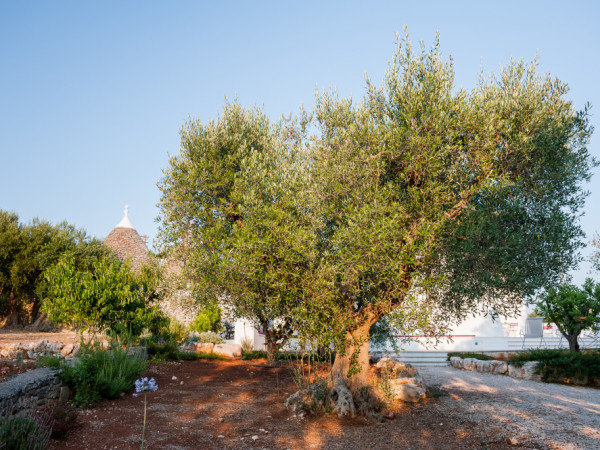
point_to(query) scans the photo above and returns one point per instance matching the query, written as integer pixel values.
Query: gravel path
(536, 414)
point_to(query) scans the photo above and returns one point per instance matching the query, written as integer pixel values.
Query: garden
(400, 215)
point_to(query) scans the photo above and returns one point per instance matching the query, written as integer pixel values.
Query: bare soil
(16, 336)
(240, 404)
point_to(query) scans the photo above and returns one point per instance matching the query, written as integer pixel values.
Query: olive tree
(437, 202)
(231, 206)
(572, 309)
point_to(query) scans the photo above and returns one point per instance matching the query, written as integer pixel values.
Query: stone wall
(525, 372)
(33, 350)
(30, 390)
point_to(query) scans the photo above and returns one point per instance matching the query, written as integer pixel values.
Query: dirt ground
(240, 404)
(16, 336)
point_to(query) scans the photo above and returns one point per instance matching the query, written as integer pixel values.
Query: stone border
(526, 372)
(34, 350)
(30, 390)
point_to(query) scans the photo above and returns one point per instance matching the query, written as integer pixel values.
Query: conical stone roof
(125, 241)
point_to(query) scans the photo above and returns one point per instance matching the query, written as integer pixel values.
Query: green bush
(254, 354)
(24, 432)
(562, 366)
(208, 319)
(102, 373)
(209, 337)
(480, 356)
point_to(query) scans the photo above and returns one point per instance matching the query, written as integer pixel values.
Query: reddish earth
(240, 404)
(11, 368)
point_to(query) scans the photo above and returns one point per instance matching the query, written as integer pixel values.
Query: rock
(173, 378)
(31, 354)
(187, 347)
(398, 368)
(230, 350)
(408, 389)
(76, 349)
(385, 363)
(483, 366)
(41, 346)
(55, 347)
(254, 437)
(67, 349)
(456, 362)
(204, 347)
(470, 363)
(498, 367)
(512, 441)
(526, 372)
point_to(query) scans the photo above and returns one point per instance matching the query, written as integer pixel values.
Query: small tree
(109, 297)
(572, 309)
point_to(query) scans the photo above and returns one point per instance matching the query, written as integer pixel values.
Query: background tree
(26, 251)
(572, 309)
(230, 203)
(596, 252)
(110, 297)
(436, 202)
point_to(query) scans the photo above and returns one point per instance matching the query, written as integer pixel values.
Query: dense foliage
(230, 207)
(26, 251)
(572, 309)
(420, 205)
(207, 319)
(110, 296)
(563, 366)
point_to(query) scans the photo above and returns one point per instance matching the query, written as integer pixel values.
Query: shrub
(102, 373)
(254, 354)
(24, 432)
(208, 319)
(562, 365)
(210, 338)
(480, 356)
(177, 330)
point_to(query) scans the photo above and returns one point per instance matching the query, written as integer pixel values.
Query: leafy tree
(417, 207)
(229, 204)
(572, 309)
(111, 297)
(436, 202)
(26, 251)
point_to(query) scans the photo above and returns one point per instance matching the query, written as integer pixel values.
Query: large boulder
(230, 350)
(397, 368)
(407, 389)
(525, 372)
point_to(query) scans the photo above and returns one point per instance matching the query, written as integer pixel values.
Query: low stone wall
(30, 390)
(34, 350)
(525, 372)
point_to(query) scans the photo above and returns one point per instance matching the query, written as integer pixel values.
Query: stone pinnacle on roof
(125, 223)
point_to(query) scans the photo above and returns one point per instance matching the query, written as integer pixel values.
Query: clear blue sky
(92, 94)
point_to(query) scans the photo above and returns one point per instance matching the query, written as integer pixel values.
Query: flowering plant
(143, 386)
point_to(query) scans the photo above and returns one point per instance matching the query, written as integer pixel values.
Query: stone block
(526, 372)
(41, 346)
(67, 349)
(407, 389)
(470, 363)
(499, 367)
(230, 350)
(204, 347)
(456, 362)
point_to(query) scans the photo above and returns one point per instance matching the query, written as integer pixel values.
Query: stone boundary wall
(30, 390)
(526, 372)
(33, 350)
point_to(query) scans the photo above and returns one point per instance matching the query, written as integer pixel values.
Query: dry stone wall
(526, 372)
(30, 390)
(33, 350)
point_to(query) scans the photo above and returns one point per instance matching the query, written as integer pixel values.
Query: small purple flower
(144, 385)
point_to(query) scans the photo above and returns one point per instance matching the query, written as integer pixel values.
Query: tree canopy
(421, 204)
(26, 251)
(572, 309)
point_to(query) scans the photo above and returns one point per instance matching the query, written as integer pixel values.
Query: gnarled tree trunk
(349, 376)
